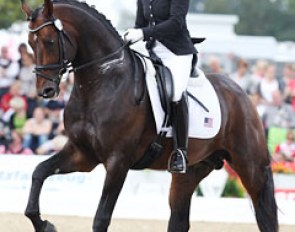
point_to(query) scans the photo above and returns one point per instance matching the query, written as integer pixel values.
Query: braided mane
(90, 10)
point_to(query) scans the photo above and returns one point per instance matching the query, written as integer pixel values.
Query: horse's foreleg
(115, 177)
(59, 163)
(182, 188)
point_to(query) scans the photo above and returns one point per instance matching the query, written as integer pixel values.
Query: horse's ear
(26, 9)
(48, 8)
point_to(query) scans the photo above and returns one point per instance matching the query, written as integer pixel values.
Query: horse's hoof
(48, 227)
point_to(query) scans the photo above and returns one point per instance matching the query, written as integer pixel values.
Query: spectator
(22, 50)
(64, 93)
(8, 71)
(19, 115)
(5, 133)
(26, 75)
(214, 65)
(269, 84)
(55, 144)
(14, 91)
(288, 75)
(36, 129)
(285, 151)
(289, 85)
(241, 76)
(279, 114)
(259, 71)
(53, 111)
(15, 146)
(34, 101)
(256, 101)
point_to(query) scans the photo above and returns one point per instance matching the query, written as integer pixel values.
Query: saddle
(164, 77)
(165, 86)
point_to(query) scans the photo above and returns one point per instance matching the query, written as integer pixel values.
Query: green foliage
(10, 11)
(261, 18)
(233, 189)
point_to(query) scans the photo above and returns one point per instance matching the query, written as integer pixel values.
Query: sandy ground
(19, 223)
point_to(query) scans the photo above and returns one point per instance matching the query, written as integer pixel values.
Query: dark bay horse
(109, 121)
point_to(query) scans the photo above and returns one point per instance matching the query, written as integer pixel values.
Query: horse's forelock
(35, 14)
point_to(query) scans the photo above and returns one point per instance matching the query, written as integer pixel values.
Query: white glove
(133, 35)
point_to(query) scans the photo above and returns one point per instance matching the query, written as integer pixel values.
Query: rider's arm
(173, 25)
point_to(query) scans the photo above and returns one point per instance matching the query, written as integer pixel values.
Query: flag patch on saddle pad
(208, 122)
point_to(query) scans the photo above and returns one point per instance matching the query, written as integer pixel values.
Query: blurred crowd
(32, 125)
(273, 94)
(28, 124)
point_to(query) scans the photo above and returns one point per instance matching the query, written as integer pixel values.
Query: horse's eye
(49, 42)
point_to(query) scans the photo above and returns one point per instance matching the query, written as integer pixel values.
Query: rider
(162, 24)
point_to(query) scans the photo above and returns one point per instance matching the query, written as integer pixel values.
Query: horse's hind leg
(59, 163)
(182, 188)
(255, 172)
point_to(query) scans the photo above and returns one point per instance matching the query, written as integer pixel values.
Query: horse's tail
(266, 208)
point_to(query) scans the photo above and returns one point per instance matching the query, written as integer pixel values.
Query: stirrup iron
(177, 162)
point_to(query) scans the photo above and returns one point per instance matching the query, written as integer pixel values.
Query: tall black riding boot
(178, 158)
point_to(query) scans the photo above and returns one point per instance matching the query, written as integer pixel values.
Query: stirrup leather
(177, 162)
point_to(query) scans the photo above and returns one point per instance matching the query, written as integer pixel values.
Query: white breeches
(180, 67)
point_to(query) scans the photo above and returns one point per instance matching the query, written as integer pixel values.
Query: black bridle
(64, 63)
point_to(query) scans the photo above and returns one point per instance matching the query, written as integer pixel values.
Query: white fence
(145, 195)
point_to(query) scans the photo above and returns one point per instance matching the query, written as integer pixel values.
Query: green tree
(262, 18)
(10, 11)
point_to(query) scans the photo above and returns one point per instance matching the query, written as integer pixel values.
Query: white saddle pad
(202, 124)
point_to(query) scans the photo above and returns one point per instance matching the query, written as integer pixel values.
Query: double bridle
(64, 63)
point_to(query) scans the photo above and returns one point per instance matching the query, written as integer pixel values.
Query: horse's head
(53, 47)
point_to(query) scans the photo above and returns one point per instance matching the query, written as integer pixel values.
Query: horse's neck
(96, 40)
(94, 36)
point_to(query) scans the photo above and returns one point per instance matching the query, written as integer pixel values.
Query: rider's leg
(180, 67)
(178, 158)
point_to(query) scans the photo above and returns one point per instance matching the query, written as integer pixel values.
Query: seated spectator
(19, 114)
(36, 129)
(8, 71)
(5, 133)
(279, 114)
(55, 144)
(289, 85)
(26, 75)
(288, 75)
(34, 101)
(53, 110)
(15, 146)
(14, 90)
(285, 151)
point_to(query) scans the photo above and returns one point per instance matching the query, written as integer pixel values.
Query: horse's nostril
(48, 92)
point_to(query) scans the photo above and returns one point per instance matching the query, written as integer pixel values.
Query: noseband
(64, 63)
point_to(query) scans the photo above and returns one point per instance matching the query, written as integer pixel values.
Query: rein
(100, 60)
